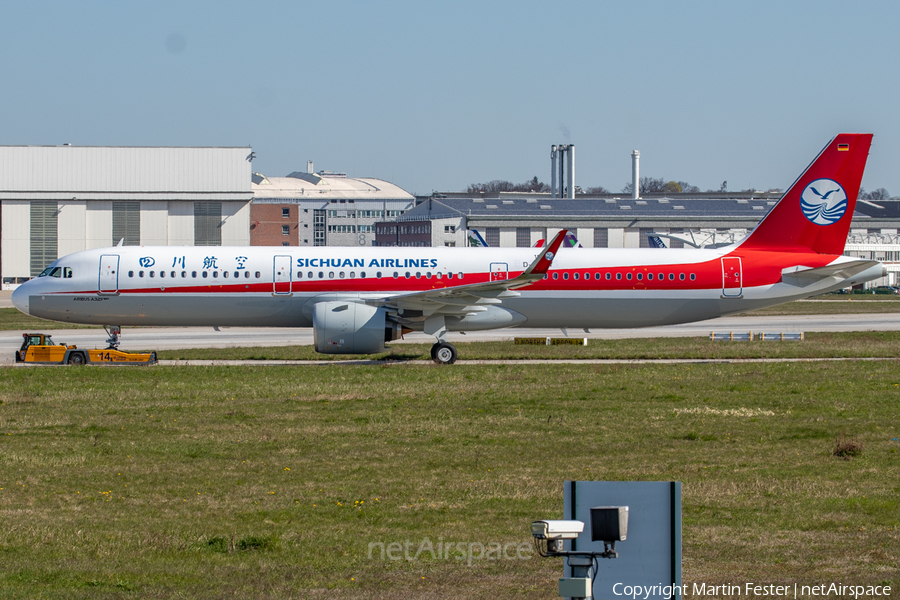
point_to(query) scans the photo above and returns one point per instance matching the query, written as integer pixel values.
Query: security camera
(556, 530)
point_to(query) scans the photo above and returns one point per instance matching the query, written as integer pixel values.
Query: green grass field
(884, 344)
(255, 482)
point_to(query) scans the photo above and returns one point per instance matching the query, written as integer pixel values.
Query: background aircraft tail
(570, 241)
(815, 213)
(476, 240)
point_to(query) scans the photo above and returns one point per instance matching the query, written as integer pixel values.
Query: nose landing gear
(113, 331)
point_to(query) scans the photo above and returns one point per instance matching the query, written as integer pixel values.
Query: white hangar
(55, 200)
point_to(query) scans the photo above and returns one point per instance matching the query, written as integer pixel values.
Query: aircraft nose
(20, 299)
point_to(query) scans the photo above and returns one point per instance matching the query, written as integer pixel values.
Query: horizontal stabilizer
(801, 276)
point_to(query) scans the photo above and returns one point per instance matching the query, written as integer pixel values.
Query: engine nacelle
(350, 328)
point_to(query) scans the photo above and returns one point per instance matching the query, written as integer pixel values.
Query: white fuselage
(277, 286)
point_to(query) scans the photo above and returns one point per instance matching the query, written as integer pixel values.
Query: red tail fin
(815, 213)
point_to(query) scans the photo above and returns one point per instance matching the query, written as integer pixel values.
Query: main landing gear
(443, 353)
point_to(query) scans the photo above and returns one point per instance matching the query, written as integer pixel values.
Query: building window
(645, 237)
(318, 227)
(126, 223)
(207, 223)
(285, 212)
(285, 230)
(601, 237)
(523, 237)
(44, 216)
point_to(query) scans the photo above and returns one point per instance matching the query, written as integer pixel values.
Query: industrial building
(520, 220)
(681, 220)
(322, 209)
(55, 200)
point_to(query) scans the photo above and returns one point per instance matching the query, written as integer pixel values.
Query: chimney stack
(553, 154)
(635, 175)
(562, 171)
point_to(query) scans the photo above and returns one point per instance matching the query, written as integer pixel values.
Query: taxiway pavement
(167, 338)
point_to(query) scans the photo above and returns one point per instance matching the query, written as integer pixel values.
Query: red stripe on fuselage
(759, 269)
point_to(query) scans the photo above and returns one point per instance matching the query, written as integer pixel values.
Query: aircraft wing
(468, 299)
(801, 276)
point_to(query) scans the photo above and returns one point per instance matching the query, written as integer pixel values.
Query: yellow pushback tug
(38, 348)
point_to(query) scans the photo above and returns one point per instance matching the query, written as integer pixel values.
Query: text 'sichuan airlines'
(356, 299)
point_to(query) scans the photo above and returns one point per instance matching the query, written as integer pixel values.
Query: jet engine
(351, 328)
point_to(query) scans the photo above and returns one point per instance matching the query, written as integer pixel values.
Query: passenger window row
(628, 276)
(194, 274)
(378, 275)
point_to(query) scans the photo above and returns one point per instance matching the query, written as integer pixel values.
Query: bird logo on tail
(824, 207)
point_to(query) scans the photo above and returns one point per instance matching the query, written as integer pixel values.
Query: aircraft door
(109, 274)
(499, 271)
(282, 275)
(732, 277)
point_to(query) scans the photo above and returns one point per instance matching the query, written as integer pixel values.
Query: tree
(651, 185)
(879, 194)
(501, 185)
(497, 185)
(599, 189)
(648, 185)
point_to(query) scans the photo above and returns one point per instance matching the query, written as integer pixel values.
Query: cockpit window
(46, 272)
(56, 272)
(67, 272)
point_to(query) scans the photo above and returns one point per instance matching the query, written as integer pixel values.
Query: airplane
(356, 299)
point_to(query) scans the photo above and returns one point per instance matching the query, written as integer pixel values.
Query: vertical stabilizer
(815, 213)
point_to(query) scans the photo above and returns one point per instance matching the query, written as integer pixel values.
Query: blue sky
(434, 96)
